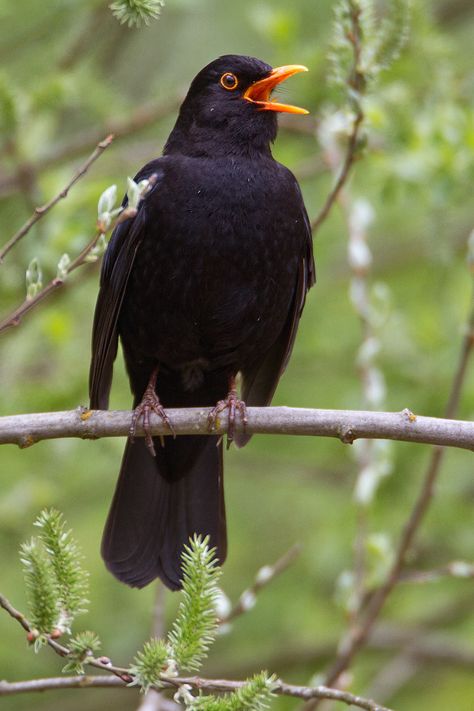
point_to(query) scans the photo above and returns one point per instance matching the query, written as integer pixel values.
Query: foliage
(55, 581)
(195, 627)
(41, 587)
(56, 585)
(150, 663)
(378, 43)
(256, 695)
(66, 561)
(83, 645)
(135, 13)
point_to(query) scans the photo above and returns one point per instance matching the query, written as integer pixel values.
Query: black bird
(208, 280)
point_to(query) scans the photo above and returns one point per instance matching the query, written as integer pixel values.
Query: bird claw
(150, 403)
(233, 404)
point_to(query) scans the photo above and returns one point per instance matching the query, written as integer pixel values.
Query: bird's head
(229, 108)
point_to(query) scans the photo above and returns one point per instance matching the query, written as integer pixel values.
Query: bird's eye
(229, 81)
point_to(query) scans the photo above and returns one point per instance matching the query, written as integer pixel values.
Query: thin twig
(356, 85)
(14, 318)
(44, 209)
(455, 569)
(264, 576)
(345, 425)
(198, 683)
(85, 256)
(351, 154)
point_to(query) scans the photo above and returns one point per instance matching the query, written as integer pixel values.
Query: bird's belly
(223, 307)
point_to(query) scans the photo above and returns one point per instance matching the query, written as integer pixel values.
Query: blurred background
(69, 74)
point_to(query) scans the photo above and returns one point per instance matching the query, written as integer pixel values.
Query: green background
(68, 68)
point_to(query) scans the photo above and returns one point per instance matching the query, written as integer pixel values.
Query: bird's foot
(233, 404)
(150, 403)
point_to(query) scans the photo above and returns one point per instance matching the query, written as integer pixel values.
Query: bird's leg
(233, 404)
(150, 402)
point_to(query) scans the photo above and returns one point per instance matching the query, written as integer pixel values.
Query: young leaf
(41, 587)
(83, 645)
(65, 559)
(34, 279)
(150, 663)
(195, 627)
(107, 200)
(255, 695)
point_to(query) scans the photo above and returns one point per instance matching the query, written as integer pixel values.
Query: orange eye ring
(229, 81)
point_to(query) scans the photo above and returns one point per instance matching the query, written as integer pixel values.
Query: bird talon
(150, 403)
(233, 404)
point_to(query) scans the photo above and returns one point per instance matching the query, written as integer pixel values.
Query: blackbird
(208, 280)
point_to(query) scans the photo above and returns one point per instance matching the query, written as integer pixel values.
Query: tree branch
(44, 209)
(345, 425)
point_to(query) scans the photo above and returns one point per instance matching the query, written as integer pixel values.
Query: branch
(44, 209)
(345, 425)
(218, 685)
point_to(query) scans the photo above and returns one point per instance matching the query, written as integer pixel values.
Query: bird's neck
(218, 139)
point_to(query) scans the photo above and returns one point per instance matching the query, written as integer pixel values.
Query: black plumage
(208, 280)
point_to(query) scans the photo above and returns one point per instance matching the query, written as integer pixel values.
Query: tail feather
(159, 503)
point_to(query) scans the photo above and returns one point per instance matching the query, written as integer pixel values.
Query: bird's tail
(161, 501)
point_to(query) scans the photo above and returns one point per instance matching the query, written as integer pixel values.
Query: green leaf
(107, 201)
(34, 279)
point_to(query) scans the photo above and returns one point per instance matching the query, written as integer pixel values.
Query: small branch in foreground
(345, 425)
(123, 677)
(44, 209)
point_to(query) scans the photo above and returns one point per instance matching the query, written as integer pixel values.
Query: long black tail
(161, 501)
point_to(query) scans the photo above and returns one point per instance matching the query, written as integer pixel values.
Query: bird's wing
(259, 382)
(116, 268)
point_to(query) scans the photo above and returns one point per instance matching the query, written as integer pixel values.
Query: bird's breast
(216, 270)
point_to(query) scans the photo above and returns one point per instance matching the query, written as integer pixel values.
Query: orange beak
(259, 92)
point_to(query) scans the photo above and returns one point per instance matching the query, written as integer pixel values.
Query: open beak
(259, 92)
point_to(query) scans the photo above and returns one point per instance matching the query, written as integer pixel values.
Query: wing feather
(259, 382)
(116, 269)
